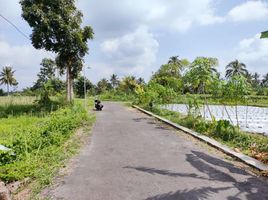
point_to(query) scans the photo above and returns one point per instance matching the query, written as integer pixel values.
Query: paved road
(134, 157)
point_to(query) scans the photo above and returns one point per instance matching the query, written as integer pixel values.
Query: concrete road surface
(133, 157)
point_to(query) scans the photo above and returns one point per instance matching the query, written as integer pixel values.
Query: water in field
(251, 119)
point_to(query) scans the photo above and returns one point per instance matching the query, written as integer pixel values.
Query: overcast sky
(134, 37)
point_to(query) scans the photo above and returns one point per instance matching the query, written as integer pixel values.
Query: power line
(51, 55)
(14, 26)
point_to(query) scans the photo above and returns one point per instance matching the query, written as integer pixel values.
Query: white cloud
(254, 53)
(181, 15)
(249, 11)
(24, 59)
(132, 53)
(172, 15)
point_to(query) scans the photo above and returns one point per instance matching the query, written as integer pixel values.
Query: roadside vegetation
(40, 144)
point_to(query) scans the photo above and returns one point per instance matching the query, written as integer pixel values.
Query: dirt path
(134, 157)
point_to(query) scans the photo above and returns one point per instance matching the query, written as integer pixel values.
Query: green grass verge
(40, 145)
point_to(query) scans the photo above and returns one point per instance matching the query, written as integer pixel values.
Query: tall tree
(7, 77)
(173, 68)
(255, 80)
(202, 72)
(128, 84)
(80, 87)
(140, 81)
(114, 80)
(235, 68)
(103, 85)
(56, 27)
(47, 72)
(265, 80)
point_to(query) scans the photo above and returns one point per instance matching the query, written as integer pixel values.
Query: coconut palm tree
(114, 80)
(7, 77)
(128, 84)
(235, 68)
(175, 66)
(265, 80)
(140, 81)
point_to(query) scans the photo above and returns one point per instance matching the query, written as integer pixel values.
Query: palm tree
(7, 77)
(103, 85)
(255, 80)
(140, 81)
(114, 80)
(249, 76)
(128, 84)
(265, 80)
(235, 68)
(175, 65)
(173, 60)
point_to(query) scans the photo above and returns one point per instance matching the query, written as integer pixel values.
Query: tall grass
(17, 100)
(25, 105)
(38, 143)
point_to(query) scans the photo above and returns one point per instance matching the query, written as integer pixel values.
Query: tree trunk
(8, 89)
(69, 85)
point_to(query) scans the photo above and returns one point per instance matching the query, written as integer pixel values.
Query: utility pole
(85, 87)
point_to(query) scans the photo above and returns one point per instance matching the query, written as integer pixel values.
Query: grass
(17, 100)
(41, 144)
(251, 144)
(24, 105)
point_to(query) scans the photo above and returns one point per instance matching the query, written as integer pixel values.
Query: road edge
(242, 157)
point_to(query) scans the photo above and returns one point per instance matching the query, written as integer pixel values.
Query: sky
(135, 37)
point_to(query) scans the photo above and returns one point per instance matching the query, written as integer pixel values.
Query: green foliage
(7, 77)
(236, 89)
(34, 140)
(170, 82)
(47, 72)
(79, 86)
(56, 26)
(235, 68)
(193, 106)
(18, 106)
(153, 94)
(264, 34)
(103, 85)
(128, 84)
(2, 93)
(201, 74)
(173, 68)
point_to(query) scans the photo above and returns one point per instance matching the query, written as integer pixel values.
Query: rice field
(17, 100)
